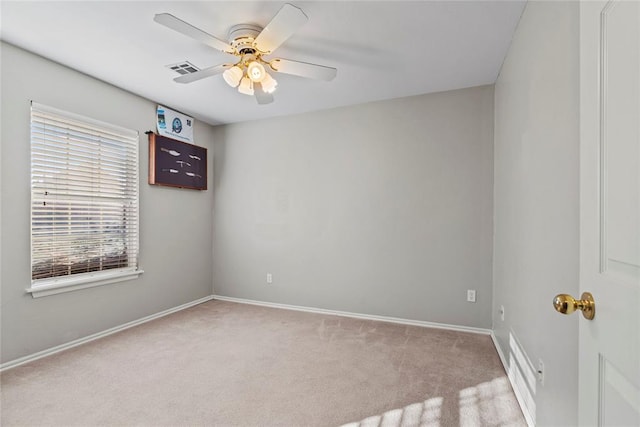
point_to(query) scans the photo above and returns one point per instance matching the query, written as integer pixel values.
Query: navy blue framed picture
(177, 164)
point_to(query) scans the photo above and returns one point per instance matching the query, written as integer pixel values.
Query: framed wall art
(176, 164)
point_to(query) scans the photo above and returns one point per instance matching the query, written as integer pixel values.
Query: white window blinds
(84, 198)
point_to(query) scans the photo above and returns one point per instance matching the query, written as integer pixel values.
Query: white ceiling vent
(184, 67)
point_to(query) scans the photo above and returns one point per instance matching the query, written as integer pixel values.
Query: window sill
(46, 287)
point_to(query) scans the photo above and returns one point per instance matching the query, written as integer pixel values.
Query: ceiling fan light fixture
(248, 43)
(232, 76)
(246, 86)
(269, 83)
(256, 72)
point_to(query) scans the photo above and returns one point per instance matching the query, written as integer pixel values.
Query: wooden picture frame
(175, 163)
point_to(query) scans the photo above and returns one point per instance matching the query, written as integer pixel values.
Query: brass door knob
(566, 304)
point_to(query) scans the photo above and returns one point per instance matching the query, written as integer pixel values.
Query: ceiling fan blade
(205, 72)
(189, 30)
(282, 26)
(261, 96)
(304, 69)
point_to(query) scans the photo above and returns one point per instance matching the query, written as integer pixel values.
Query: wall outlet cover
(471, 295)
(540, 372)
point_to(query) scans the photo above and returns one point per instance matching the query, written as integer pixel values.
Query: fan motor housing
(242, 36)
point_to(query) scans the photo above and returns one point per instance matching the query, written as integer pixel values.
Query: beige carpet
(227, 364)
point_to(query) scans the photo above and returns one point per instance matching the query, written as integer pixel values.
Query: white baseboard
(80, 341)
(357, 315)
(514, 384)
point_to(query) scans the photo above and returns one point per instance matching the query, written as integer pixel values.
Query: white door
(610, 212)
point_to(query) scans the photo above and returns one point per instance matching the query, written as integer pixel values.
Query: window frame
(81, 280)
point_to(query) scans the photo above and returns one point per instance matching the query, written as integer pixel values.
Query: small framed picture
(177, 164)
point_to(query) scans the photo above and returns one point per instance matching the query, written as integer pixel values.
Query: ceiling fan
(250, 44)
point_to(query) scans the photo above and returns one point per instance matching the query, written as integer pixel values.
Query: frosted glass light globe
(246, 86)
(232, 76)
(269, 83)
(256, 72)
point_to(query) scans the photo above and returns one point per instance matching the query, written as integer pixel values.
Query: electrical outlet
(269, 278)
(540, 372)
(502, 313)
(471, 295)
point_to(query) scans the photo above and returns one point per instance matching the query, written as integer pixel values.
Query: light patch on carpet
(488, 403)
(422, 414)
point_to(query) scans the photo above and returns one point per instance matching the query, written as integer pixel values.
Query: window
(84, 202)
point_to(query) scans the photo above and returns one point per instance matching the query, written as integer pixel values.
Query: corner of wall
(536, 207)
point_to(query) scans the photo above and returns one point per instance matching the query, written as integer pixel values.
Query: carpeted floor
(227, 364)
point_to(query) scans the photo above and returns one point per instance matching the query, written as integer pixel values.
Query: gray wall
(536, 244)
(176, 225)
(383, 208)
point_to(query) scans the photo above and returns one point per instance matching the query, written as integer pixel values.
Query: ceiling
(382, 49)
